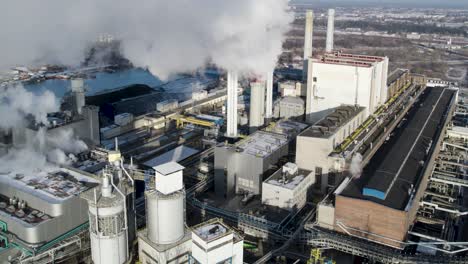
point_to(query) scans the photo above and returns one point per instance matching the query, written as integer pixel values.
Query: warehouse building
(362, 81)
(382, 203)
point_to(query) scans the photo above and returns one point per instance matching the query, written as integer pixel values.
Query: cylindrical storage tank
(107, 232)
(165, 216)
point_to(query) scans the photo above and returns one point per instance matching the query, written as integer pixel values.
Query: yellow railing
(182, 120)
(369, 120)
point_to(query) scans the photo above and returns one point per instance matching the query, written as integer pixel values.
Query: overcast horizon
(463, 4)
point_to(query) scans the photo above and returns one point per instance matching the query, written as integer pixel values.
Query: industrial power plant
(345, 158)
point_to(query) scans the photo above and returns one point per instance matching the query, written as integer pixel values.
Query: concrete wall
(384, 91)
(326, 216)
(327, 91)
(291, 108)
(365, 86)
(315, 151)
(312, 152)
(225, 183)
(150, 253)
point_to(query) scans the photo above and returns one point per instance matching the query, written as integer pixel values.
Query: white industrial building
(214, 242)
(337, 78)
(316, 144)
(290, 88)
(287, 187)
(199, 95)
(291, 107)
(167, 105)
(165, 238)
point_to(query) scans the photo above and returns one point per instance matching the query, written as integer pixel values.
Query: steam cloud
(355, 167)
(16, 104)
(164, 36)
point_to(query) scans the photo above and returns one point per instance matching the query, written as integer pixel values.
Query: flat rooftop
(395, 171)
(211, 230)
(56, 185)
(286, 180)
(24, 213)
(168, 168)
(178, 154)
(261, 143)
(289, 127)
(52, 187)
(333, 121)
(356, 57)
(349, 59)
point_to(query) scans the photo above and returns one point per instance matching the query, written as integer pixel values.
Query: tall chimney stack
(269, 96)
(308, 35)
(330, 30)
(309, 29)
(231, 107)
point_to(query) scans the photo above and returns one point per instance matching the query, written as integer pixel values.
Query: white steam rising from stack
(330, 30)
(241, 36)
(180, 36)
(355, 168)
(16, 105)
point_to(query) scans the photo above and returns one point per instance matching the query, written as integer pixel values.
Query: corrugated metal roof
(178, 154)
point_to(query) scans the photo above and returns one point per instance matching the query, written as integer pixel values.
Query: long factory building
(382, 203)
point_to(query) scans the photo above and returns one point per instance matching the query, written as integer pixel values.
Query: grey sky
(398, 3)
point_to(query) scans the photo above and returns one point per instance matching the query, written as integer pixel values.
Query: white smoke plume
(41, 148)
(66, 141)
(16, 103)
(355, 168)
(165, 36)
